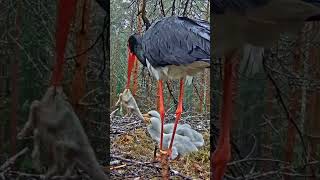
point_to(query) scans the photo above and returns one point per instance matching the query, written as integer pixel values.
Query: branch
(173, 7)
(23, 175)
(143, 15)
(162, 8)
(185, 8)
(149, 164)
(197, 92)
(171, 93)
(257, 159)
(284, 106)
(13, 159)
(100, 37)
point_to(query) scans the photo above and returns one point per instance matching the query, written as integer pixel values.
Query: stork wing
(103, 4)
(241, 6)
(177, 41)
(252, 60)
(258, 22)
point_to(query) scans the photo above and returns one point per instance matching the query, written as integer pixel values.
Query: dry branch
(149, 164)
(13, 159)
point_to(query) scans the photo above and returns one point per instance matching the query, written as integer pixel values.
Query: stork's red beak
(131, 60)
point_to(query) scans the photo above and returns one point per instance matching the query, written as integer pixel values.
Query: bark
(136, 62)
(207, 91)
(222, 154)
(291, 132)
(267, 151)
(143, 14)
(78, 86)
(202, 92)
(312, 123)
(14, 83)
(306, 50)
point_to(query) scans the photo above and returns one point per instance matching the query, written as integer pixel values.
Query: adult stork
(254, 22)
(173, 48)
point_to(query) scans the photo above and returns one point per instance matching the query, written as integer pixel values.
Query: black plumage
(258, 22)
(173, 41)
(103, 4)
(238, 23)
(239, 6)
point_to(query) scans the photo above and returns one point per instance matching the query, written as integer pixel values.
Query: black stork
(173, 48)
(258, 23)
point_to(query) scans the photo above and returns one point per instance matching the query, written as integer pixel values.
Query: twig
(118, 167)
(130, 160)
(257, 159)
(253, 147)
(12, 160)
(143, 15)
(267, 121)
(289, 117)
(171, 93)
(113, 112)
(114, 162)
(173, 7)
(41, 176)
(185, 8)
(148, 164)
(197, 92)
(162, 8)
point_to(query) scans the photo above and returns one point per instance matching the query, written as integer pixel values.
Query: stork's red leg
(178, 113)
(222, 154)
(161, 109)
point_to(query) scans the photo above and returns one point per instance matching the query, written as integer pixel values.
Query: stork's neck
(156, 124)
(135, 44)
(139, 53)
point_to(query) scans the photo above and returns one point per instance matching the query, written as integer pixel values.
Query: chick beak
(146, 118)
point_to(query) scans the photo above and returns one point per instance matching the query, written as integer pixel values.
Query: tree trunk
(230, 90)
(294, 108)
(207, 91)
(78, 87)
(312, 123)
(202, 92)
(136, 62)
(14, 84)
(267, 150)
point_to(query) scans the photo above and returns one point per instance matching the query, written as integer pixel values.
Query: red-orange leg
(178, 113)
(222, 154)
(161, 109)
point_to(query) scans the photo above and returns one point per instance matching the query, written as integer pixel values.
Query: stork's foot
(167, 152)
(221, 157)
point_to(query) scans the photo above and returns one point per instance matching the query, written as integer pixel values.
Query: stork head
(151, 114)
(135, 46)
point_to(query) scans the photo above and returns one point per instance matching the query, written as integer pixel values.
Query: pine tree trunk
(78, 86)
(312, 123)
(14, 84)
(294, 107)
(267, 151)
